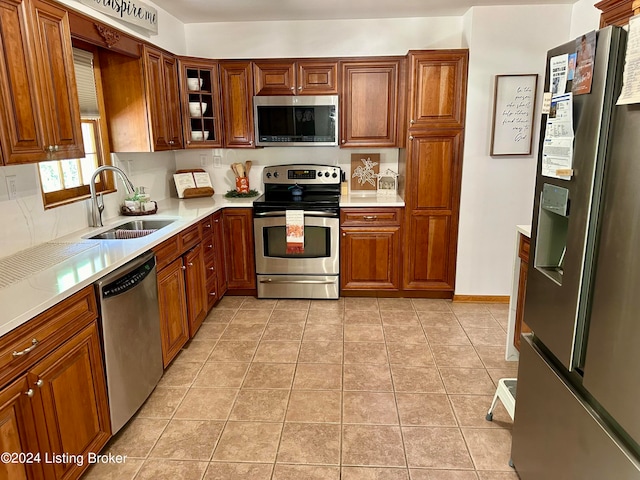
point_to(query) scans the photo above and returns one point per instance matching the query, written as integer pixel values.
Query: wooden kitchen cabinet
(142, 101)
(213, 242)
(370, 249)
(372, 95)
(39, 105)
(172, 300)
(523, 254)
(437, 97)
(18, 431)
(70, 388)
(195, 285)
(236, 81)
(182, 295)
(289, 77)
(162, 88)
(239, 249)
(433, 203)
(53, 397)
(205, 122)
(432, 167)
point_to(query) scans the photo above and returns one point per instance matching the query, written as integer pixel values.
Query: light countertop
(27, 298)
(524, 229)
(31, 296)
(371, 200)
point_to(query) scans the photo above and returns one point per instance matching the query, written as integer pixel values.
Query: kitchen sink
(133, 229)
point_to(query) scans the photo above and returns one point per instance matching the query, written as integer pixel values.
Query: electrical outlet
(11, 186)
(205, 160)
(217, 161)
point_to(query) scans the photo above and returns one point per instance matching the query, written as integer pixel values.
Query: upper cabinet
(163, 94)
(303, 77)
(439, 85)
(38, 97)
(236, 81)
(201, 116)
(142, 101)
(371, 101)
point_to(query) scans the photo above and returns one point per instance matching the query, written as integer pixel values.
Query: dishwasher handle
(129, 280)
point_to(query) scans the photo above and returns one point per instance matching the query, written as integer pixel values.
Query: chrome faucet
(98, 206)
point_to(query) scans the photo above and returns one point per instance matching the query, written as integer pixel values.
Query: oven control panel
(301, 174)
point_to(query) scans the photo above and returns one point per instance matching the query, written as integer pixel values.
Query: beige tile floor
(357, 389)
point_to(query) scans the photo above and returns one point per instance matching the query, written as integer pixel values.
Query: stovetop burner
(300, 187)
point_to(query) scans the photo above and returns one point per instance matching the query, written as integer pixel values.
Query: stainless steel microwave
(296, 120)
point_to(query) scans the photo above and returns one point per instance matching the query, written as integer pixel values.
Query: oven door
(321, 243)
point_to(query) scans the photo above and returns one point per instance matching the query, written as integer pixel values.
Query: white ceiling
(206, 11)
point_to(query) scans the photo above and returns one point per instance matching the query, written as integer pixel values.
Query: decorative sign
(513, 106)
(134, 12)
(364, 171)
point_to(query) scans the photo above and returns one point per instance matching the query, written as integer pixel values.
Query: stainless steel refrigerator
(577, 410)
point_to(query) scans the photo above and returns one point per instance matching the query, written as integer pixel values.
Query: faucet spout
(96, 208)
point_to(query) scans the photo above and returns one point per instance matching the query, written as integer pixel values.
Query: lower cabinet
(174, 325)
(370, 249)
(57, 402)
(214, 258)
(240, 256)
(195, 287)
(182, 293)
(523, 254)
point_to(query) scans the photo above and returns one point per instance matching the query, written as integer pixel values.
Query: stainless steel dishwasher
(130, 323)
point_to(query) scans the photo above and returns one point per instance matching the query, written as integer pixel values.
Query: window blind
(86, 83)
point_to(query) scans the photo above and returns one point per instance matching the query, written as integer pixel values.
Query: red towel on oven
(295, 231)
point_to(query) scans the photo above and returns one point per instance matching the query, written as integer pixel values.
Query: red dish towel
(295, 231)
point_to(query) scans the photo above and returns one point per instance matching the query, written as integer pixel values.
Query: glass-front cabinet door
(200, 103)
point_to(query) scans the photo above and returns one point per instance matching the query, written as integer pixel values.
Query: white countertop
(371, 200)
(525, 230)
(23, 300)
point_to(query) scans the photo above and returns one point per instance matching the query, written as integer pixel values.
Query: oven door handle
(308, 282)
(307, 213)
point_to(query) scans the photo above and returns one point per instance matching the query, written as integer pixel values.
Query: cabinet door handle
(207, 226)
(300, 87)
(216, 220)
(412, 122)
(39, 383)
(34, 344)
(292, 88)
(344, 234)
(190, 264)
(344, 141)
(29, 393)
(410, 137)
(183, 267)
(211, 268)
(213, 294)
(210, 246)
(370, 217)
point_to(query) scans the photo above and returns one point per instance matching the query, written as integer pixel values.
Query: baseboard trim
(481, 298)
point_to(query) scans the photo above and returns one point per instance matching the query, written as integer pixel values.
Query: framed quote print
(513, 108)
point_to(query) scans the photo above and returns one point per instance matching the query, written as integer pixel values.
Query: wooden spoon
(247, 166)
(240, 168)
(234, 169)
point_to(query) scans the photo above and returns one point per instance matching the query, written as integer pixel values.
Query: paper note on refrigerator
(631, 76)
(557, 148)
(559, 66)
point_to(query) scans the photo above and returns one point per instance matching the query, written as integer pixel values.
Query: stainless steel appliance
(314, 272)
(130, 323)
(306, 120)
(576, 413)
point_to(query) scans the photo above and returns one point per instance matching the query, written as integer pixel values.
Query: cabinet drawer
(167, 252)
(190, 237)
(207, 226)
(523, 250)
(44, 333)
(364, 216)
(210, 268)
(212, 292)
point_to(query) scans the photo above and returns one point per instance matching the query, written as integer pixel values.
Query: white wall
(584, 18)
(322, 38)
(497, 193)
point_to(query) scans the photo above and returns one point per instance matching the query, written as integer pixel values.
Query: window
(66, 181)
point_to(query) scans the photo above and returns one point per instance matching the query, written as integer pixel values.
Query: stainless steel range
(300, 200)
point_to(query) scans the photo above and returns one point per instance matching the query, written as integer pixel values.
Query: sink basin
(133, 229)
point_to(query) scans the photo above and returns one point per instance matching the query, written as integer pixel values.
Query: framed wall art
(514, 104)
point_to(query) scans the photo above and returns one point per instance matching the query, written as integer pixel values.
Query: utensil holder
(242, 184)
